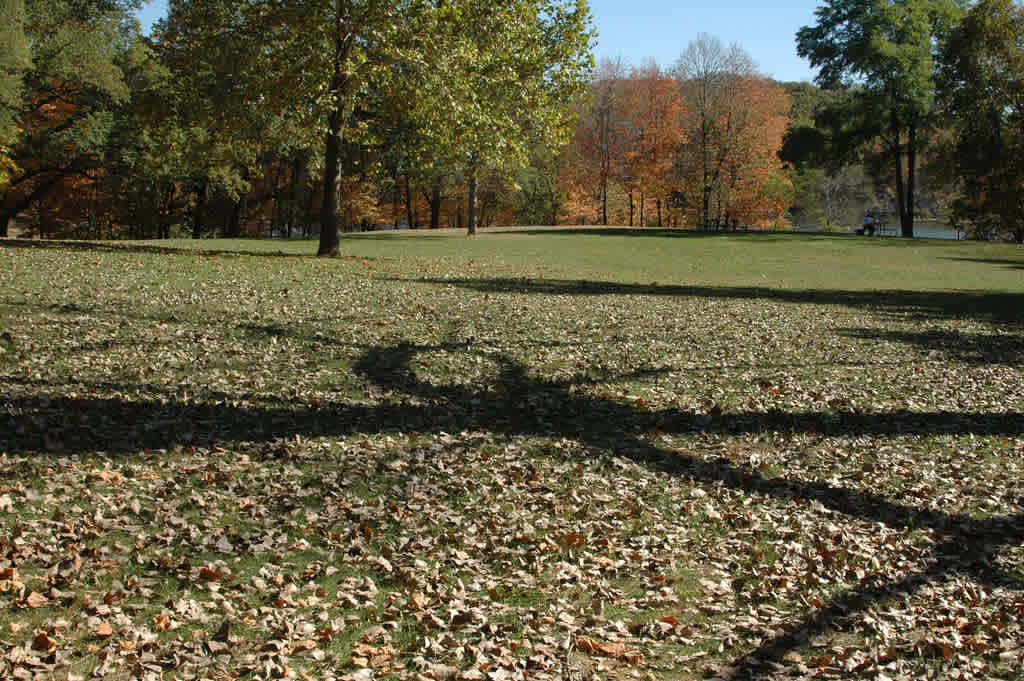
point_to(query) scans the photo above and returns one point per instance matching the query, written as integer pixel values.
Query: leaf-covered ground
(510, 464)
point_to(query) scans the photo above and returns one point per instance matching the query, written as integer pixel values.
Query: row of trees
(699, 143)
(314, 116)
(307, 110)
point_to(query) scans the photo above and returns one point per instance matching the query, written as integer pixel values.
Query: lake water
(922, 230)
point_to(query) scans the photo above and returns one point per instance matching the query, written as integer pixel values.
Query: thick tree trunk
(435, 207)
(197, 213)
(330, 213)
(5, 221)
(474, 185)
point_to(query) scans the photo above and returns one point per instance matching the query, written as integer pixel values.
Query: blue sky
(660, 29)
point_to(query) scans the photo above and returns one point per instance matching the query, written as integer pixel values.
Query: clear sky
(661, 29)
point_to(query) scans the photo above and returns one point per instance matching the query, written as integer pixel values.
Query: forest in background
(305, 118)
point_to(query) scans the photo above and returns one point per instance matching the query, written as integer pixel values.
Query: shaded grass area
(679, 455)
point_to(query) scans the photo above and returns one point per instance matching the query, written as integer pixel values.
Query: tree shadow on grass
(517, 402)
(135, 247)
(967, 348)
(670, 233)
(1006, 309)
(971, 547)
(1006, 262)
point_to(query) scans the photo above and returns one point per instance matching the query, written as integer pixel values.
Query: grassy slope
(688, 452)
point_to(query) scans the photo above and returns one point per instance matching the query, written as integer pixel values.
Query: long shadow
(135, 247)
(970, 549)
(967, 348)
(516, 402)
(669, 233)
(1007, 262)
(1006, 309)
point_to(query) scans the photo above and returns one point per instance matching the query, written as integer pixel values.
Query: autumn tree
(655, 109)
(734, 121)
(597, 157)
(758, 188)
(884, 52)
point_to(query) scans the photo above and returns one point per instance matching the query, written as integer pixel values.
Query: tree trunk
(280, 210)
(330, 212)
(409, 208)
(604, 201)
(907, 219)
(5, 221)
(706, 199)
(631, 208)
(197, 213)
(236, 218)
(396, 202)
(473, 201)
(298, 183)
(164, 224)
(659, 212)
(435, 207)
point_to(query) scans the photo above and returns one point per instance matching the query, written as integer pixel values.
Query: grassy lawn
(638, 454)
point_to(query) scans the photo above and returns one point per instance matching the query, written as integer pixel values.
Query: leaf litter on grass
(267, 467)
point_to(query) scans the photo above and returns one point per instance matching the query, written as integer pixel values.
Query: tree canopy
(883, 51)
(982, 85)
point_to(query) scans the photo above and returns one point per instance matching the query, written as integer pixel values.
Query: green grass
(700, 451)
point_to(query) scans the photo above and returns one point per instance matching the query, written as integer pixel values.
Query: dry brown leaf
(36, 600)
(303, 644)
(209, 574)
(102, 629)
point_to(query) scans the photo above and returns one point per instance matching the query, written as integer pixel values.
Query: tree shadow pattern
(1004, 309)
(518, 403)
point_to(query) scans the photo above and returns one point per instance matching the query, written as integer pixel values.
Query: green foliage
(983, 91)
(502, 80)
(14, 59)
(883, 51)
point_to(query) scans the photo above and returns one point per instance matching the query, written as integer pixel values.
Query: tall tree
(983, 91)
(324, 59)
(884, 50)
(656, 109)
(731, 112)
(601, 138)
(311, 59)
(504, 80)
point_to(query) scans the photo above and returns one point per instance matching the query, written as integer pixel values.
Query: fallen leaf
(36, 600)
(102, 629)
